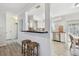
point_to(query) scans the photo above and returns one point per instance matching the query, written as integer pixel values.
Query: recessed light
(76, 5)
(38, 6)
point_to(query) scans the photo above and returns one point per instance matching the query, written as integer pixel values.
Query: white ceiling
(38, 13)
(58, 9)
(15, 7)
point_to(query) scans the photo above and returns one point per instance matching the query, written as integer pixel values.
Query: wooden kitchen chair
(74, 44)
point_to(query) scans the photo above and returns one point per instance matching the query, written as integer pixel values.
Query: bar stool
(33, 49)
(24, 46)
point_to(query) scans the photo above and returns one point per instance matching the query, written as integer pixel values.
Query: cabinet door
(62, 37)
(56, 36)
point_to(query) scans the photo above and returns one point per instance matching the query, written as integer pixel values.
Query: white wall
(2, 26)
(42, 38)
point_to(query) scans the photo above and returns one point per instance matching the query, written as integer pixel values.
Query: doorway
(11, 27)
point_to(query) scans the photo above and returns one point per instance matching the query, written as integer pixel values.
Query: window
(74, 29)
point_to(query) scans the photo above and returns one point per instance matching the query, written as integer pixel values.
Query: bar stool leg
(22, 48)
(37, 50)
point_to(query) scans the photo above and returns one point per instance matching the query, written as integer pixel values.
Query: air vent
(38, 6)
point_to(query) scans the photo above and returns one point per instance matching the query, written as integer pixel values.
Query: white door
(11, 28)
